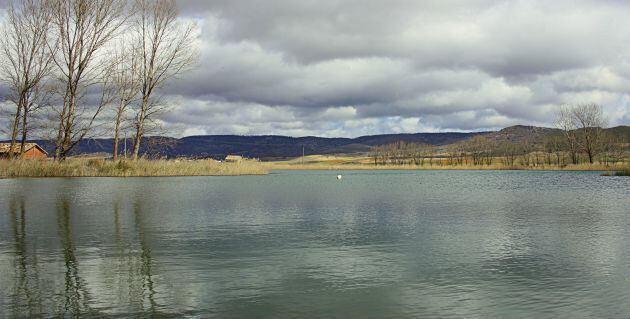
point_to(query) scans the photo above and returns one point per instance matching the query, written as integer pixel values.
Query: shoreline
(270, 170)
(101, 168)
(359, 167)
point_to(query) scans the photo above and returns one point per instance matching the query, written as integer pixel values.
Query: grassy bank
(105, 168)
(323, 162)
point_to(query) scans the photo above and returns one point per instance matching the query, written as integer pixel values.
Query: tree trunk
(115, 155)
(67, 135)
(140, 127)
(16, 125)
(117, 130)
(59, 139)
(24, 128)
(136, 144)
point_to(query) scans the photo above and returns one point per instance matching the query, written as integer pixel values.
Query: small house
(233, 158)
(31, 150)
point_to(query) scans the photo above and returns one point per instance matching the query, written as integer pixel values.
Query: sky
(359, 67)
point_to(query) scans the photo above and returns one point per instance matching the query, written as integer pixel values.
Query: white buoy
(338, 176)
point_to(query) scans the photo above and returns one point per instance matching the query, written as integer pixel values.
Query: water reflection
(405, 245)
(75, 295)
(146, 263)
(64, 291)
(26, 291)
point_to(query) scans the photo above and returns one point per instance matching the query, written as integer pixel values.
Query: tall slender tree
(82, 29)
(26, 62)
(166, 48)
(125, 84)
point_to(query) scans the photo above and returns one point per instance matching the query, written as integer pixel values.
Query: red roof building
(31, 150)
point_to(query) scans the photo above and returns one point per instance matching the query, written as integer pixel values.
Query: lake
(298, 244)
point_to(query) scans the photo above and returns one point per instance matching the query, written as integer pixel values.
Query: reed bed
(140, 168)
(356, 166)
(349, 162)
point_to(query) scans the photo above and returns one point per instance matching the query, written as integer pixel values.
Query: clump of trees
(83, 65)
(403, 153)
(580, 138)
(582, 126)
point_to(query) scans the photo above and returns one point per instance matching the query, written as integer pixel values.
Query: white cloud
(346, 68)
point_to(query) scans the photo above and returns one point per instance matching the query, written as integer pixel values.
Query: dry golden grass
(323, 162)
(105, 168)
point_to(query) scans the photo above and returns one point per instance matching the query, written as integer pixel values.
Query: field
(82, 167)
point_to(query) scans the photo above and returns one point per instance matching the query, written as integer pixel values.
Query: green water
(448, 244)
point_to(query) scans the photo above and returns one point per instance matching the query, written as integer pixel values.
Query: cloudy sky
(356, 67)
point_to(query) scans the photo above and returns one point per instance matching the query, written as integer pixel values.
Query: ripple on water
(410, 244)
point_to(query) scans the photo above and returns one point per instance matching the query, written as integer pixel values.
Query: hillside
(519, 133)
(282, 147)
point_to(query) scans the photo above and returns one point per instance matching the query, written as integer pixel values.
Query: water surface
(403, 244)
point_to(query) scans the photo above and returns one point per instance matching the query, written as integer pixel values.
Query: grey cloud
(506, 37)
(456, 65)
(352, 67)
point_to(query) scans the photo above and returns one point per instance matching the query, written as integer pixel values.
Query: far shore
(85, 167)
(340, 162)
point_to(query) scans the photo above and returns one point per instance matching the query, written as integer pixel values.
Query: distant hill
(519, 133)
(620, 130)
(281, 147)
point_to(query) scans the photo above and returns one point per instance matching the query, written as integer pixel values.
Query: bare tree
(82, 29)
(554, 146)
(166, 49)
(26, 62)
(612, 149)
(480, 148)
(457, 153)
(509, 152)
(590, 121)
(566, 123)
(582, 126)
(125, 84)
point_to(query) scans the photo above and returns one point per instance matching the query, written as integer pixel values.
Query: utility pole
(302, 154)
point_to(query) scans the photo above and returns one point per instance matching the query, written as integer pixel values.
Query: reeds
(349, 162)
(107, 168)
(363, 166)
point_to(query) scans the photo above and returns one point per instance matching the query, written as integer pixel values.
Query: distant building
(233, 158)
(31, 150)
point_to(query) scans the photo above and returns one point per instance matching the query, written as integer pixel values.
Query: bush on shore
(107, 168)
(623, 172)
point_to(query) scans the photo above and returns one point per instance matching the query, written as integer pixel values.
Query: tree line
(79, 66)
(580, 138)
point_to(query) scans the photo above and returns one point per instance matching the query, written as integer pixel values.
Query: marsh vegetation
(78, 167)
